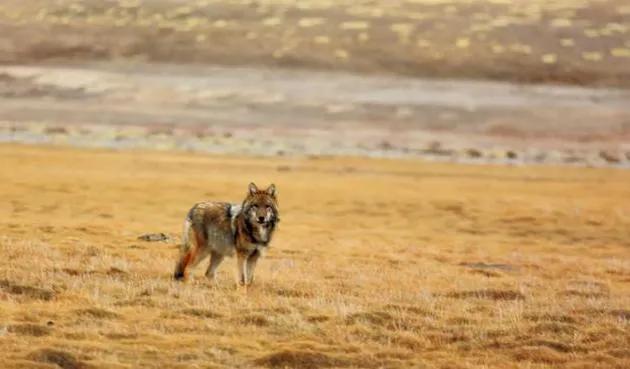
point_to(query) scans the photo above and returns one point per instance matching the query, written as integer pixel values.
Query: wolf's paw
(242, 287)
(211, 281)
(179, 276)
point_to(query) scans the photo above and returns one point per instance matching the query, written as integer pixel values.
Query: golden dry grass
(376, 264)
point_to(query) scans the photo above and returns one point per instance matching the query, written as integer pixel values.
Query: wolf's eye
(268, 208)
(254, 207)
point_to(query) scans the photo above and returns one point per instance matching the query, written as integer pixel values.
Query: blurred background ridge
(510, 81)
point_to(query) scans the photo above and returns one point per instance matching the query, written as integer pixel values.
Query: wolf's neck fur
(246, 233)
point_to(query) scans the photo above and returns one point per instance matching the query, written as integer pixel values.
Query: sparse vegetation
(566, 41)
(395, 264)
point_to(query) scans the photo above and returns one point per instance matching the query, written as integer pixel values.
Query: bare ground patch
(97, 313)
(487, 294)
(28, 329)
(299, 359)
(27, 291)
(62, 359)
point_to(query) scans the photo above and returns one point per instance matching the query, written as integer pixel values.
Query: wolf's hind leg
(215, 261)
(191, 252)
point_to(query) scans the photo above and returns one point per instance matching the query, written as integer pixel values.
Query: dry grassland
(376, 264)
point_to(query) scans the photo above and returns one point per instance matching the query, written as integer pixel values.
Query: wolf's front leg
(251, 265)
(241, 261)
(215, 261)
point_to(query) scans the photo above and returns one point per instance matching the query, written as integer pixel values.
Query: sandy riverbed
(262, 111)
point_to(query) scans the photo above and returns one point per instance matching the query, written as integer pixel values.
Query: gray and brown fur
(220, 229)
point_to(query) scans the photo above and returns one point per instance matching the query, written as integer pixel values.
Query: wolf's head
(260, 209)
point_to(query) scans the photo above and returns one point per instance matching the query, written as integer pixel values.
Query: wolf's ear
(252, 188)
(271, 190)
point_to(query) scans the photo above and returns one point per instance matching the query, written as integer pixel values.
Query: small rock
(473, 153)
(17, 129)
(158, 130)
(115, 271)
(145, 293)
(385, 145)
(482, 265)
(511, 155)
(153, 237)
(434, 145)
(55, 130)
(201, 134)
(572, 159)
(435, 148)
(609, 157)
(539, 157)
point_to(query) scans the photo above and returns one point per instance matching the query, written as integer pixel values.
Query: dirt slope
(565, 41)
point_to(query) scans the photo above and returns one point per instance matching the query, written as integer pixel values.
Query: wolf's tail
(184, 250)
(186, 234)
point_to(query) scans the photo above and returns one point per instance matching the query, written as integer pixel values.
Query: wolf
(221, 229)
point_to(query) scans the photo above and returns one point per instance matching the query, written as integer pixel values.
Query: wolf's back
(211, 223)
